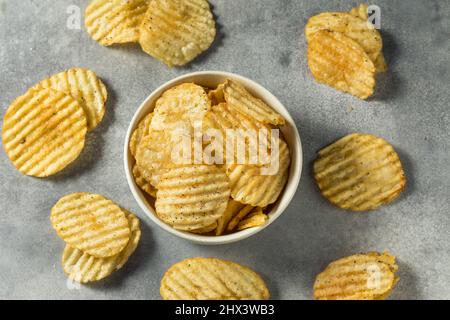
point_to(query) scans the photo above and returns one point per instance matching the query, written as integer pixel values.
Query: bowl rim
(280, 207)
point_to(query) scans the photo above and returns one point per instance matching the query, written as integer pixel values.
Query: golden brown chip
(217, 95)
(85, 87)
(154, 155)
(177, 31)
(238, 217)
(142, 130)
(91, 223)
(43, 131)
(250, 184)
(206, 229)
(233, 208)
(359, 172)
(244, 128)
(115, 21)
(381, 64)
(212, 279)
(353, 27)
(341, 63)
(361, 11)
(244, 102)
(142, 183)
(192, 197)
(83, 268)
(255, 220)
(368, 276)
(181, 107)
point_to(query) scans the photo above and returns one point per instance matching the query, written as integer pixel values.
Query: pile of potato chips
(199, 195)
(345, 51)
(99, 235)
(212, 279)
(44, 130)
(172, 31)
(369, 276)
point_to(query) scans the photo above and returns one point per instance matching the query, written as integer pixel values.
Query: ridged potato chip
(206, 229)
(212, 279)
(222, 117)
(359, 172)
(368, 276)
(250, 186)
(142, 183)
(85, 87)
(362, 12)
(217, 95)
(381, 64)
(141, 131)
(91, 223)
(181, 107)
(192, 197)
(154, 155)
(341, 63)
(238, 217)
(242, 101)
(43, 131)
(353, 27)
(255, 220)
(83, 268)
(115, 21)
(233, 208)
(177, 31)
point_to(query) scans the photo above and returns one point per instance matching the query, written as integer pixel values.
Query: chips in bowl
(181, 150)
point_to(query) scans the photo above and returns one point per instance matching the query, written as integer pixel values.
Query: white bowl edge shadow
(212, 79)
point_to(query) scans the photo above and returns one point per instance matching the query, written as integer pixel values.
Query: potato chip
(85, 87)
(154, 155)
(255, 220)
(181, 107)
(212, 279)
(355, 28)
(192, 197)
(368, 276)
(217, 95)
(242, 101)
(177, 31)
(142, 130)
(43, 131)
(225, 119)
(142, 183)
(83, 268)
(359, 172)
(233, 208)
(238, 217)
(91, 223)
(250, 184)
(341, 63)
(381, 64)
(115, 21)
(361, 11)
(206, 229)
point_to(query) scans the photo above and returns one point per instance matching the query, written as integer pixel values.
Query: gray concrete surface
(262, 40)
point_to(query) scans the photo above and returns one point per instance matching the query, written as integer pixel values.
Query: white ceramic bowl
(212, 79)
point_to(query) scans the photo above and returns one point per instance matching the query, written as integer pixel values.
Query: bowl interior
(289, 131)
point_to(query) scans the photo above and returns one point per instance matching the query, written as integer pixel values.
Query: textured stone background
(262, 40)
